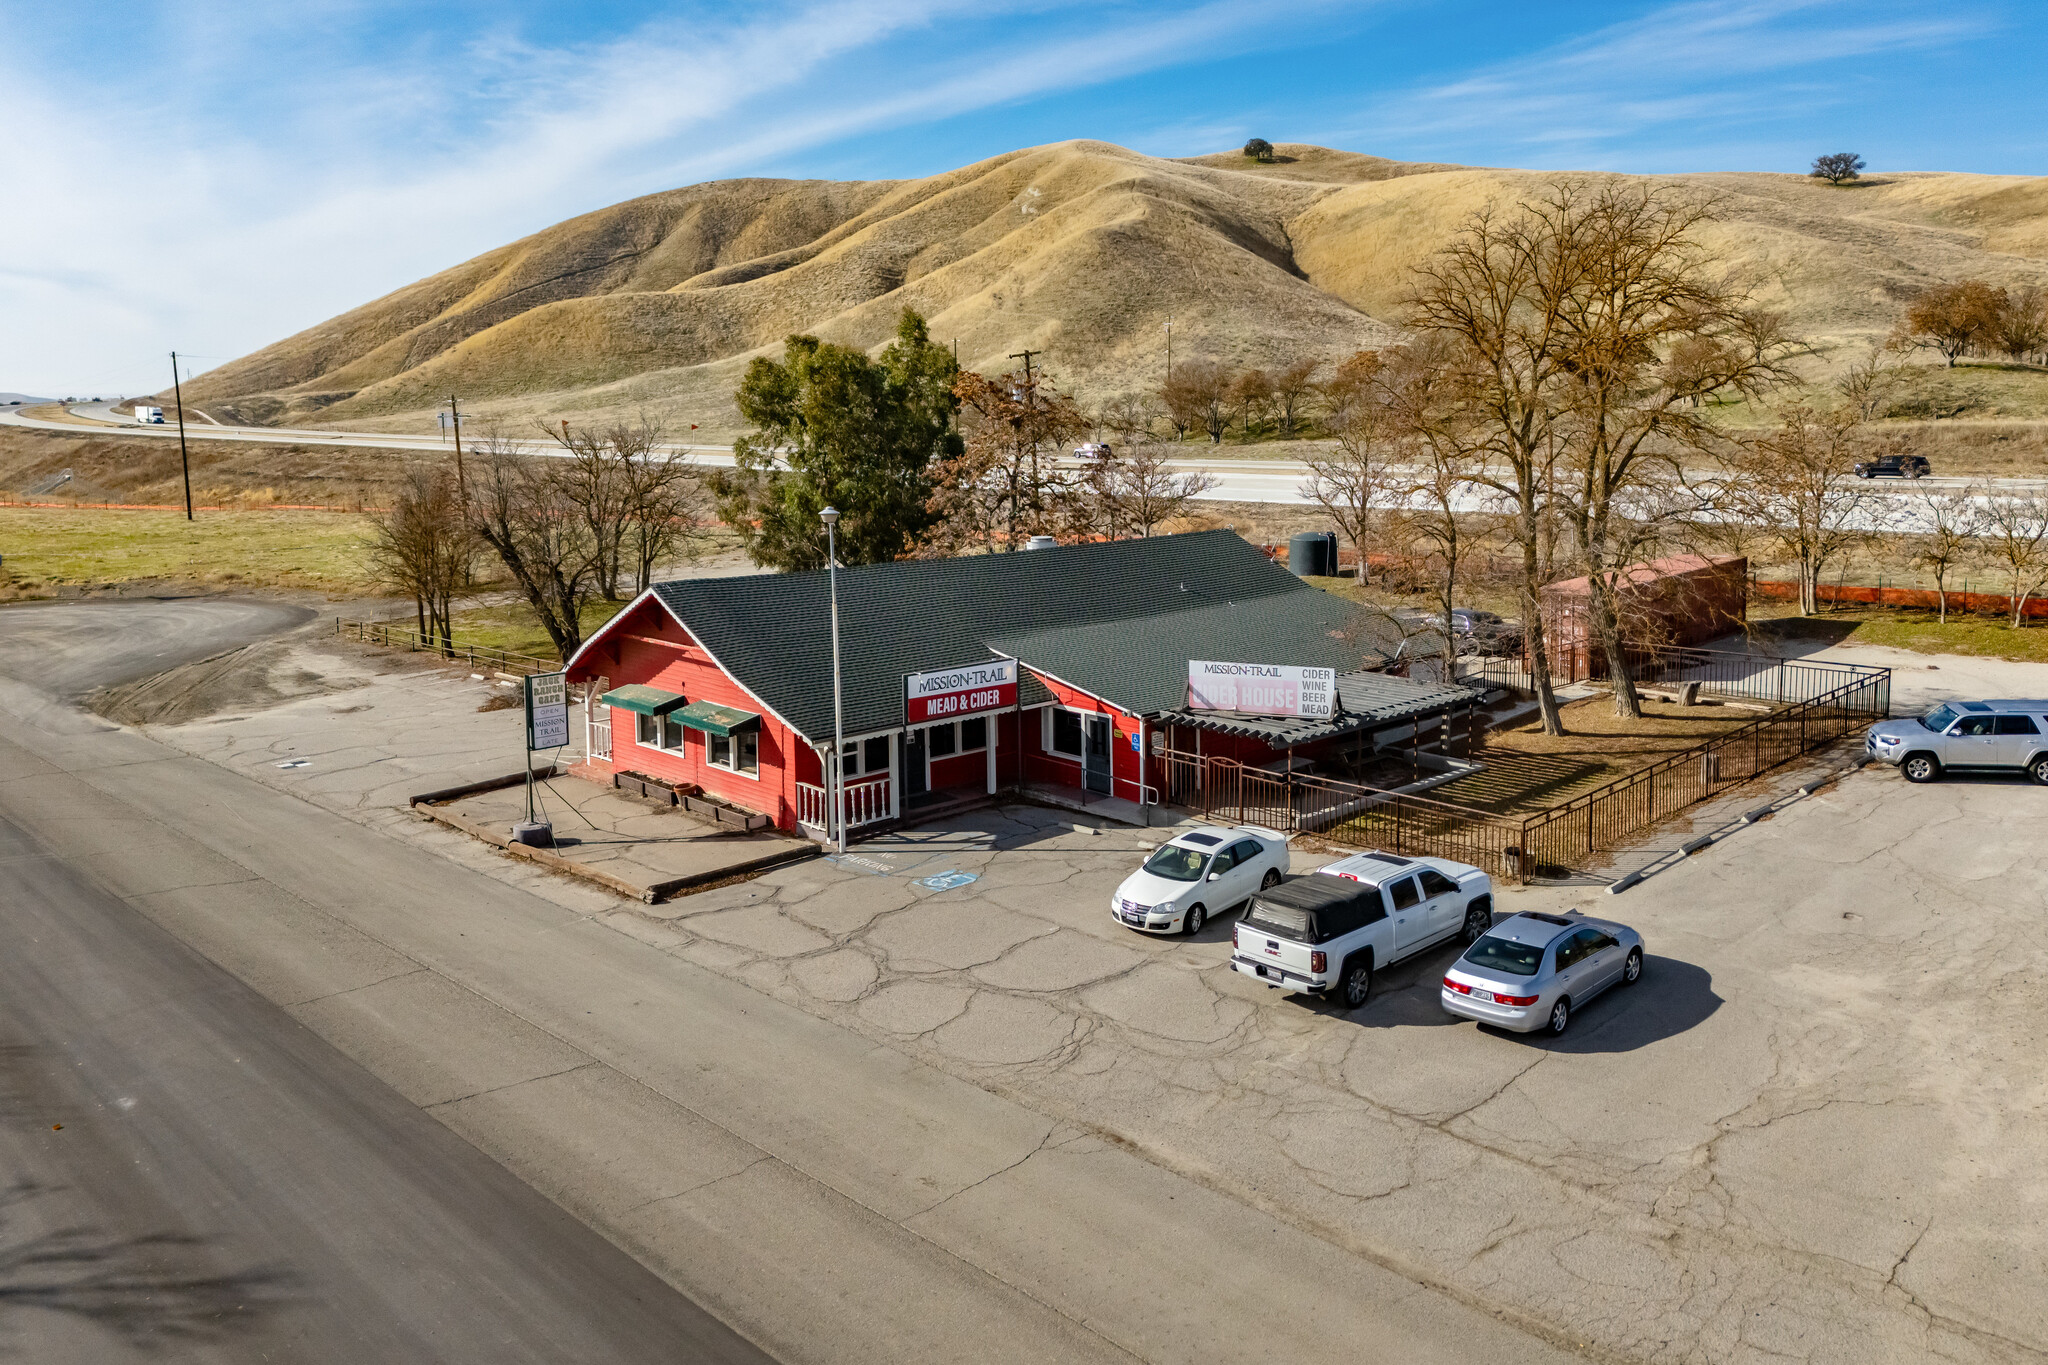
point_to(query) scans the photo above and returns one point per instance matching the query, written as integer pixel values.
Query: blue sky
(212, 175)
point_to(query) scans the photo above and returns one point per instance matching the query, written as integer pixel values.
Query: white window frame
(1046, 733)
(731, 765)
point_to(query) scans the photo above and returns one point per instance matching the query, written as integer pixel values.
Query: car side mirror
(1215, 876)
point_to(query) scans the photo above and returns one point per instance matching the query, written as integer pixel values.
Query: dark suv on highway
(1903, 466)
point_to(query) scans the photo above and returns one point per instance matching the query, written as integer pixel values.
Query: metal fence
(1515, 847)
(393, 635)
(1761, 678)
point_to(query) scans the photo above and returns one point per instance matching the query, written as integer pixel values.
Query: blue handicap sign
(947, 881)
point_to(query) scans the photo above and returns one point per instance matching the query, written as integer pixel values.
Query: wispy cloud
(1690, 65)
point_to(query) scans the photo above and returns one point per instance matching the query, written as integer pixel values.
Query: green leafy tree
(1258, 149)
(832, 427)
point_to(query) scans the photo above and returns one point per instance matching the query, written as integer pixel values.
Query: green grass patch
(513, 627)
(1922, 632)
(50, 547)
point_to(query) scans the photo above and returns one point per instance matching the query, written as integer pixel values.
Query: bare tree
(1837, 167)
(2016, 532)
(1353, 483)
(1953, 317)
(1251, 391)
(666, 510)
(1128, 418)
(525, 510)
(1953, 527)
(1868, 384)
(1138, 489)
(1796, 483)
(1198, 395)
(1649, 332)
(595, 476)
(423, 547)
(2021, 327)
(1293, 385)
(1006, 485)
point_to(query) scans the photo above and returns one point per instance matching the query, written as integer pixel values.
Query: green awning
(648, 701)
(714, 719)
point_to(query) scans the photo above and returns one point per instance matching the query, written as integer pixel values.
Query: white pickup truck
(1328, 931)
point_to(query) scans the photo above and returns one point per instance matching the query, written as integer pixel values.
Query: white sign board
(547, 710)
(1262, 689)
(963, 691)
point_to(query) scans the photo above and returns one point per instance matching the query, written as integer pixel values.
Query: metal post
(184, 459)
(830, 516)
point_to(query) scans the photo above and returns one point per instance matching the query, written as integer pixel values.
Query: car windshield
(1492, 954)
(1940, 718)
(1177, 864)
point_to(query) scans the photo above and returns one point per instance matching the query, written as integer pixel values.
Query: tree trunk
(1532, 626)
(1607, 625)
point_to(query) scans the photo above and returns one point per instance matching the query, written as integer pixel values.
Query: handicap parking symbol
(947, 881)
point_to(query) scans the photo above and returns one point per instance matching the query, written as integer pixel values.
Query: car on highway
(1093, 450)
(1534, 971)
(1894, 466)
(1478, 632)
(1196, 876)
(1976, 736)
(1326, 933)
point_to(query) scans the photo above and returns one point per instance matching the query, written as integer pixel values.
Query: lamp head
(830, 516)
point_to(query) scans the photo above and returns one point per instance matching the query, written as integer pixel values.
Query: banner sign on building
(1262, 689)
(547, 710)
(952, 692)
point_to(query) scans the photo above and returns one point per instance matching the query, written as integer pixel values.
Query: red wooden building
(725, 685)
(1683, 600)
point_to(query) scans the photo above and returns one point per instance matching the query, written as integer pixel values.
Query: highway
(191, 1174)
(1238, 480)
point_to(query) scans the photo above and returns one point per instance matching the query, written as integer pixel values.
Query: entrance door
(913, 764)
(1095, 753)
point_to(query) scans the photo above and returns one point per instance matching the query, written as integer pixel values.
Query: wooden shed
(1683, 600)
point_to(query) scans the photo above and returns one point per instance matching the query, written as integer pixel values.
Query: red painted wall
(664, 655)
(1058, 770)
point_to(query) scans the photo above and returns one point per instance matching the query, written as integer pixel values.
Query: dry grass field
(49, 549)
(1080, 250)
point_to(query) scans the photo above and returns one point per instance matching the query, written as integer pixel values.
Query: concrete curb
(650, 895)
(489, 784)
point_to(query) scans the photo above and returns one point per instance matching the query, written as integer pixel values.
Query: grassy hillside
(1080, 250)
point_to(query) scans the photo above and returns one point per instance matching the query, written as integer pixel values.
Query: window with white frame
(658, 732)
(865, 756)
(1063, 732)
(739, 752)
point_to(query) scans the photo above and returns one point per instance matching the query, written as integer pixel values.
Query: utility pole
(1030, 410)
(184, 459)
(461, 479)
(1169, 348)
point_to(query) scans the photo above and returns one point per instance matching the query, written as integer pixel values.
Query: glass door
(1095, 756)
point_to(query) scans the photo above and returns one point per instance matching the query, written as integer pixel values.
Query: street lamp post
(830, 516)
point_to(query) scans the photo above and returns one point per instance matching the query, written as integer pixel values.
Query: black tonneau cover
(1315, 908)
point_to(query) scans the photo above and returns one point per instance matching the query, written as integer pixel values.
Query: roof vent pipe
(1040, 543)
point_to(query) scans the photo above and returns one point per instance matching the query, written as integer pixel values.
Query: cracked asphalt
(1814, 1132)
(1810, 1133)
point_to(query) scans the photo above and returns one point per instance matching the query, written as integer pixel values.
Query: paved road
(1238, 480)
(188, 1172)
(68, 648)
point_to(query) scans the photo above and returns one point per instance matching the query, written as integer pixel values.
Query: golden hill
(1080, 250)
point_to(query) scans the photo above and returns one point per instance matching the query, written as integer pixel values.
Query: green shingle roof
(1128, 614)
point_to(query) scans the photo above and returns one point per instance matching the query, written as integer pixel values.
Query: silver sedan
(1533, 971)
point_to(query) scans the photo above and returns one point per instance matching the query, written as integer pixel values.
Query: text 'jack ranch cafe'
(1070, 675)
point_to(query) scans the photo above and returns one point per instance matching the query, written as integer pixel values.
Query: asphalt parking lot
(1808, 1132)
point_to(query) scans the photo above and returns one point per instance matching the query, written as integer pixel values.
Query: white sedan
(1199, 874)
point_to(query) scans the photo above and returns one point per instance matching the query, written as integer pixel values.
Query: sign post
(547, 727)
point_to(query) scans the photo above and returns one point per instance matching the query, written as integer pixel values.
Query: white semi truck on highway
(146, 414)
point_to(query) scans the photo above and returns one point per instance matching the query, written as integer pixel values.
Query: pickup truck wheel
(1478, 919)
(1192, 922)
(1560, 1016)
(1272, 879)
(1357, 983)
(1632, 970)
(1862, 473)
(2038, 769)
(1920, 767)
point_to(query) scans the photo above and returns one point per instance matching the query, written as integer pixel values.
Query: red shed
(1683, 600)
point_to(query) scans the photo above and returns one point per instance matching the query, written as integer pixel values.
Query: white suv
(1328, 931)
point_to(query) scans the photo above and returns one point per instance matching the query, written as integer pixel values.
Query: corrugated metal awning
(648, 701)
(714, 719)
